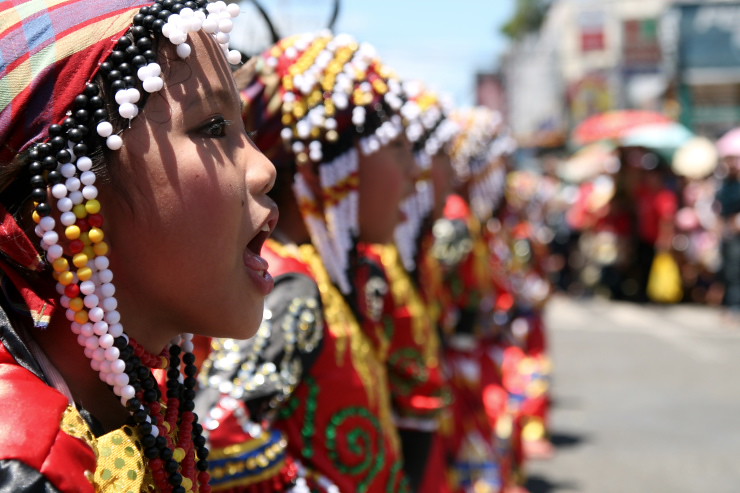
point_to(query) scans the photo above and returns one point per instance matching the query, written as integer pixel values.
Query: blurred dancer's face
(386, 178)
(443, 179)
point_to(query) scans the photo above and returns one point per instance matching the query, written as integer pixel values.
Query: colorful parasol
(729, 143)
(662, 138)
(614, 124)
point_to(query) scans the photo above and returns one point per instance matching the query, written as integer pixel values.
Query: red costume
(414, 366)
(332, 403)
(38, 444)
(468, 442)
(48, 443)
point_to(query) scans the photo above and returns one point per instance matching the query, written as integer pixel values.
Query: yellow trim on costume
(74, 425)
(238, 448)
(431, 274)
(481, 257)
(249, 480)
(406, 294)
(344, 326)
(120, 463)
(237, 464)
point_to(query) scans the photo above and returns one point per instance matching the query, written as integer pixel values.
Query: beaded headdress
(477, 154)
(323, 96)
(57, 60)
(428, 128)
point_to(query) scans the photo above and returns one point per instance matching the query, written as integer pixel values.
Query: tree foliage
(527, 18)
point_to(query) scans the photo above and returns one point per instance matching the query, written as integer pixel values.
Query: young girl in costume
(122, 151)
(513, 383)
(475, 455)
(526, 365)
(429, 272)
(414, 359)
(305, 404)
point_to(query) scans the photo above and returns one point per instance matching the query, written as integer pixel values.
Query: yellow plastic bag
(664, 283)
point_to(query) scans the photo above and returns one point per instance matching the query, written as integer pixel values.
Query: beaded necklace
(172, 437)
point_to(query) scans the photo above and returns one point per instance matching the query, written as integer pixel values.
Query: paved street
(646, 399)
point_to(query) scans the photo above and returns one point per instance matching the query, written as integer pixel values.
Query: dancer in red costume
(464, 294)
(415, 376)
(527, 367)
(314, 381)
(118, 155)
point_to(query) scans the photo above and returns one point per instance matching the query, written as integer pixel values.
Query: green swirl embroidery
(409, 370)
(389, 326)
(359, 442)
(397, 482)
(289, 408)
(309, 423)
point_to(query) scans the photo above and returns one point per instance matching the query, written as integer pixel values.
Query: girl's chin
(243, 332)
(238, 326)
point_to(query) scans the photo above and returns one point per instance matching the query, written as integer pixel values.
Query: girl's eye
(216, 127)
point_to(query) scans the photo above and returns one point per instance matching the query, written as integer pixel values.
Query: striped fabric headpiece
(49, 49)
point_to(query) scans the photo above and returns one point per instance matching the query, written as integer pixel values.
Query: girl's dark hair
(15, 187)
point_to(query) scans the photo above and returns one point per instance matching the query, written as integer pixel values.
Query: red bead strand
(148, 359)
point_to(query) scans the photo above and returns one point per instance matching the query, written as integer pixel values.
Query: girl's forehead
(204, 75)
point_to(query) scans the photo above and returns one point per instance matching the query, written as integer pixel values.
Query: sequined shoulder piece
(268, 366)
(121, 463)
(452, 241)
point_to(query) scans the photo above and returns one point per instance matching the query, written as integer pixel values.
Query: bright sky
(442, 42)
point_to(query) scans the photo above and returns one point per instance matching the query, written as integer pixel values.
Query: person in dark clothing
(728, 202)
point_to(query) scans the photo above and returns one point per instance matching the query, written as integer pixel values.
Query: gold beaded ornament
(477, 157)
(337, 100)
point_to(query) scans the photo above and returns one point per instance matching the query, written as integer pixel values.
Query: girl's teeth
(266, 228)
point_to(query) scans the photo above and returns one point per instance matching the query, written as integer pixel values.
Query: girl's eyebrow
(222, 97)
